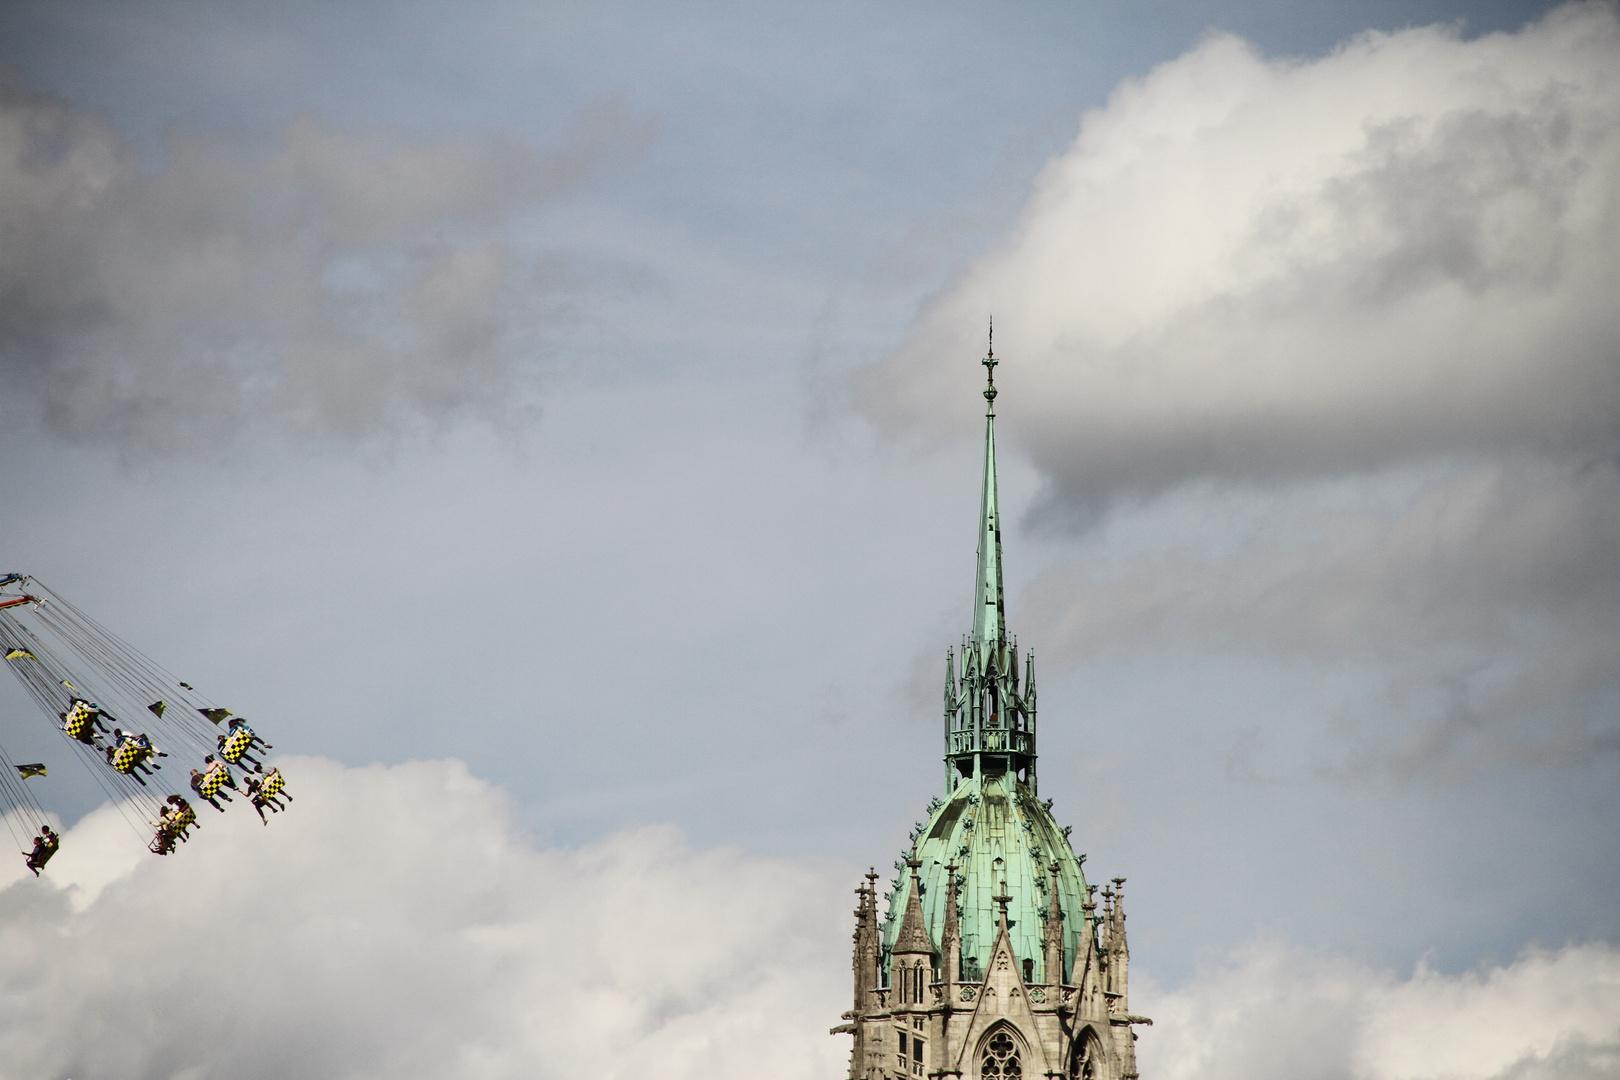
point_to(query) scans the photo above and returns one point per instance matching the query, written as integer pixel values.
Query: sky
(557, 428)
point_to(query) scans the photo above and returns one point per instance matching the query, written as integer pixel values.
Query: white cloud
(1265, 287)
(1275, 1012)
(393, 924)
(1247, 268)
(341, 283)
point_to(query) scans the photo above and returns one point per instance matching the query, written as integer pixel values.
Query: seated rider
(274, 786)
(209, 784)
(173, 820)
(130, 752)
(264, 792)
(45, 845)
(180, 812)
(255, 791)
(218, 768)
(234, 748)
(238, 724)
(82, 722)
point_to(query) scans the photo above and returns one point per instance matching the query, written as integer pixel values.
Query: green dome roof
(1001, 838)
(995, 835)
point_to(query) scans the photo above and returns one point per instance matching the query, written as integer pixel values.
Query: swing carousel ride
(145, 736)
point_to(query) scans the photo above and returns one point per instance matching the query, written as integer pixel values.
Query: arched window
(918, 983)
(1000, 1057)
(1087, 1061)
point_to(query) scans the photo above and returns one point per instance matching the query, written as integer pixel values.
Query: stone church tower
(994, 958)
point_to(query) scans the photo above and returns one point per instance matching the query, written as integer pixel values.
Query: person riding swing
(130, 752)
(209, 784)
(264, 792)
(45, 845)
(82, 722)
(174, 819)
(234, 749)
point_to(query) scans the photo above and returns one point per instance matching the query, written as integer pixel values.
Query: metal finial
(990, 363)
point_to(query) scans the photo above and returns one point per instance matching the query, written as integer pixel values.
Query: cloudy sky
(556, 426)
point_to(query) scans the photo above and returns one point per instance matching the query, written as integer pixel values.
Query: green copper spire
(989, 717)
(990, 613)
(990, 860)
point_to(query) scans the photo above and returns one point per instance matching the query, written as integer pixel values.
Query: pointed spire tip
(989, 618)
(990, 363)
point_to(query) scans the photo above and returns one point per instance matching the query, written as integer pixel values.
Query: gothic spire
(990, 615)
(913, 936)
(1054, 930)
(989, 724)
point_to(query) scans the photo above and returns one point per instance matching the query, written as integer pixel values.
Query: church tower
(992, 959)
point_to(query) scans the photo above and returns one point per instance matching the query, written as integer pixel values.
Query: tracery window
(1086, 1059)
(1000, 1057)
(912, 983)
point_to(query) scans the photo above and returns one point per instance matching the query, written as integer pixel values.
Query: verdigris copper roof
(994, 835)
(991, 822)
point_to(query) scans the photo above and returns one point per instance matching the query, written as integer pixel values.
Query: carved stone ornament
(968, 993)
(1037, 995)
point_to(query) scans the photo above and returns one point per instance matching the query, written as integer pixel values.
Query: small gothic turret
(866, 941)
(911, 964)
(1087, 971)
(1119, 959)
(1054, 932)
(868, 945)
(1119, 952)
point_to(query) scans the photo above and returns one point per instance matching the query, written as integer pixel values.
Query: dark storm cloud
(1263, 280)
(335, 282)
(1485, 600)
